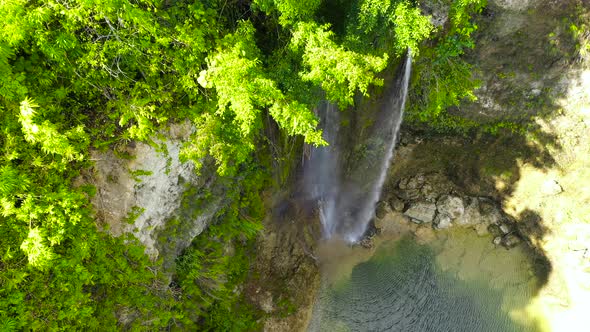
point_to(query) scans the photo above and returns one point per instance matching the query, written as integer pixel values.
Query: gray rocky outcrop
(433, 198)
(286, 268)
(140, 190)
(449, 208)
(421, 212)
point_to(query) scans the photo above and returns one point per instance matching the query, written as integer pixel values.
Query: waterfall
(323, 172)
(347, 201)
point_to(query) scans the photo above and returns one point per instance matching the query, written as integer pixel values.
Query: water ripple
(405, 291)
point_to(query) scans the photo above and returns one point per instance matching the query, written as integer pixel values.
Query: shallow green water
(456, 283)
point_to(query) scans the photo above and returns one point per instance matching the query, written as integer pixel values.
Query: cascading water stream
(322, 173)
(347, 205)
(397, 102)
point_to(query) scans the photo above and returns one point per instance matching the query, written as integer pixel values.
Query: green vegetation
(84, 74)
(442, 77)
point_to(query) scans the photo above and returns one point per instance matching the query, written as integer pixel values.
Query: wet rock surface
(285, 275)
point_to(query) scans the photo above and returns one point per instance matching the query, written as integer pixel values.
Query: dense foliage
(81, 74)
(442, 77)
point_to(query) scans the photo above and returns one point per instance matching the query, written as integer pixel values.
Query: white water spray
(397, 104)
(348, 205)
(323, 172)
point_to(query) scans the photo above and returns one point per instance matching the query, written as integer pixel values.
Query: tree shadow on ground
(527, 63)
(530, 226)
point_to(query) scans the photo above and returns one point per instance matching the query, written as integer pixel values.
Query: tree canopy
(86, 74)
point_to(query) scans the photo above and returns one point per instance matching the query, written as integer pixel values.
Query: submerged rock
(425, 235)
(481, 229)
(442, 221)
(497, 240)
(421, 212)
(391, 223)
(510, 241)
(504, 229)
(471, 215)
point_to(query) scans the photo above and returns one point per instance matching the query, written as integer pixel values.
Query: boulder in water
(510, 241)
(392, 223)
(425, 235)
(442, 221)
(421, 212)
(471, 215)
(451, 206)
(481, 229)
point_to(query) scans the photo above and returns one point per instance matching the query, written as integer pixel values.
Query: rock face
(142, 191)
(287, 277)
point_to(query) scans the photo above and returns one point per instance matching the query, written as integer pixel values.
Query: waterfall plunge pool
(455, 282)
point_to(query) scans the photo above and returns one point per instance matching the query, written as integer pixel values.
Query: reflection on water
(459, 282)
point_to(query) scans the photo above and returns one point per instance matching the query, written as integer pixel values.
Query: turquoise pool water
(457, 282)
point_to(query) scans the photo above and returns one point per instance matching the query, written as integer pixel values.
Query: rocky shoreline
(432, 201)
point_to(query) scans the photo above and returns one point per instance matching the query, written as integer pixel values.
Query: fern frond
(7, 324)
(9, 180)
